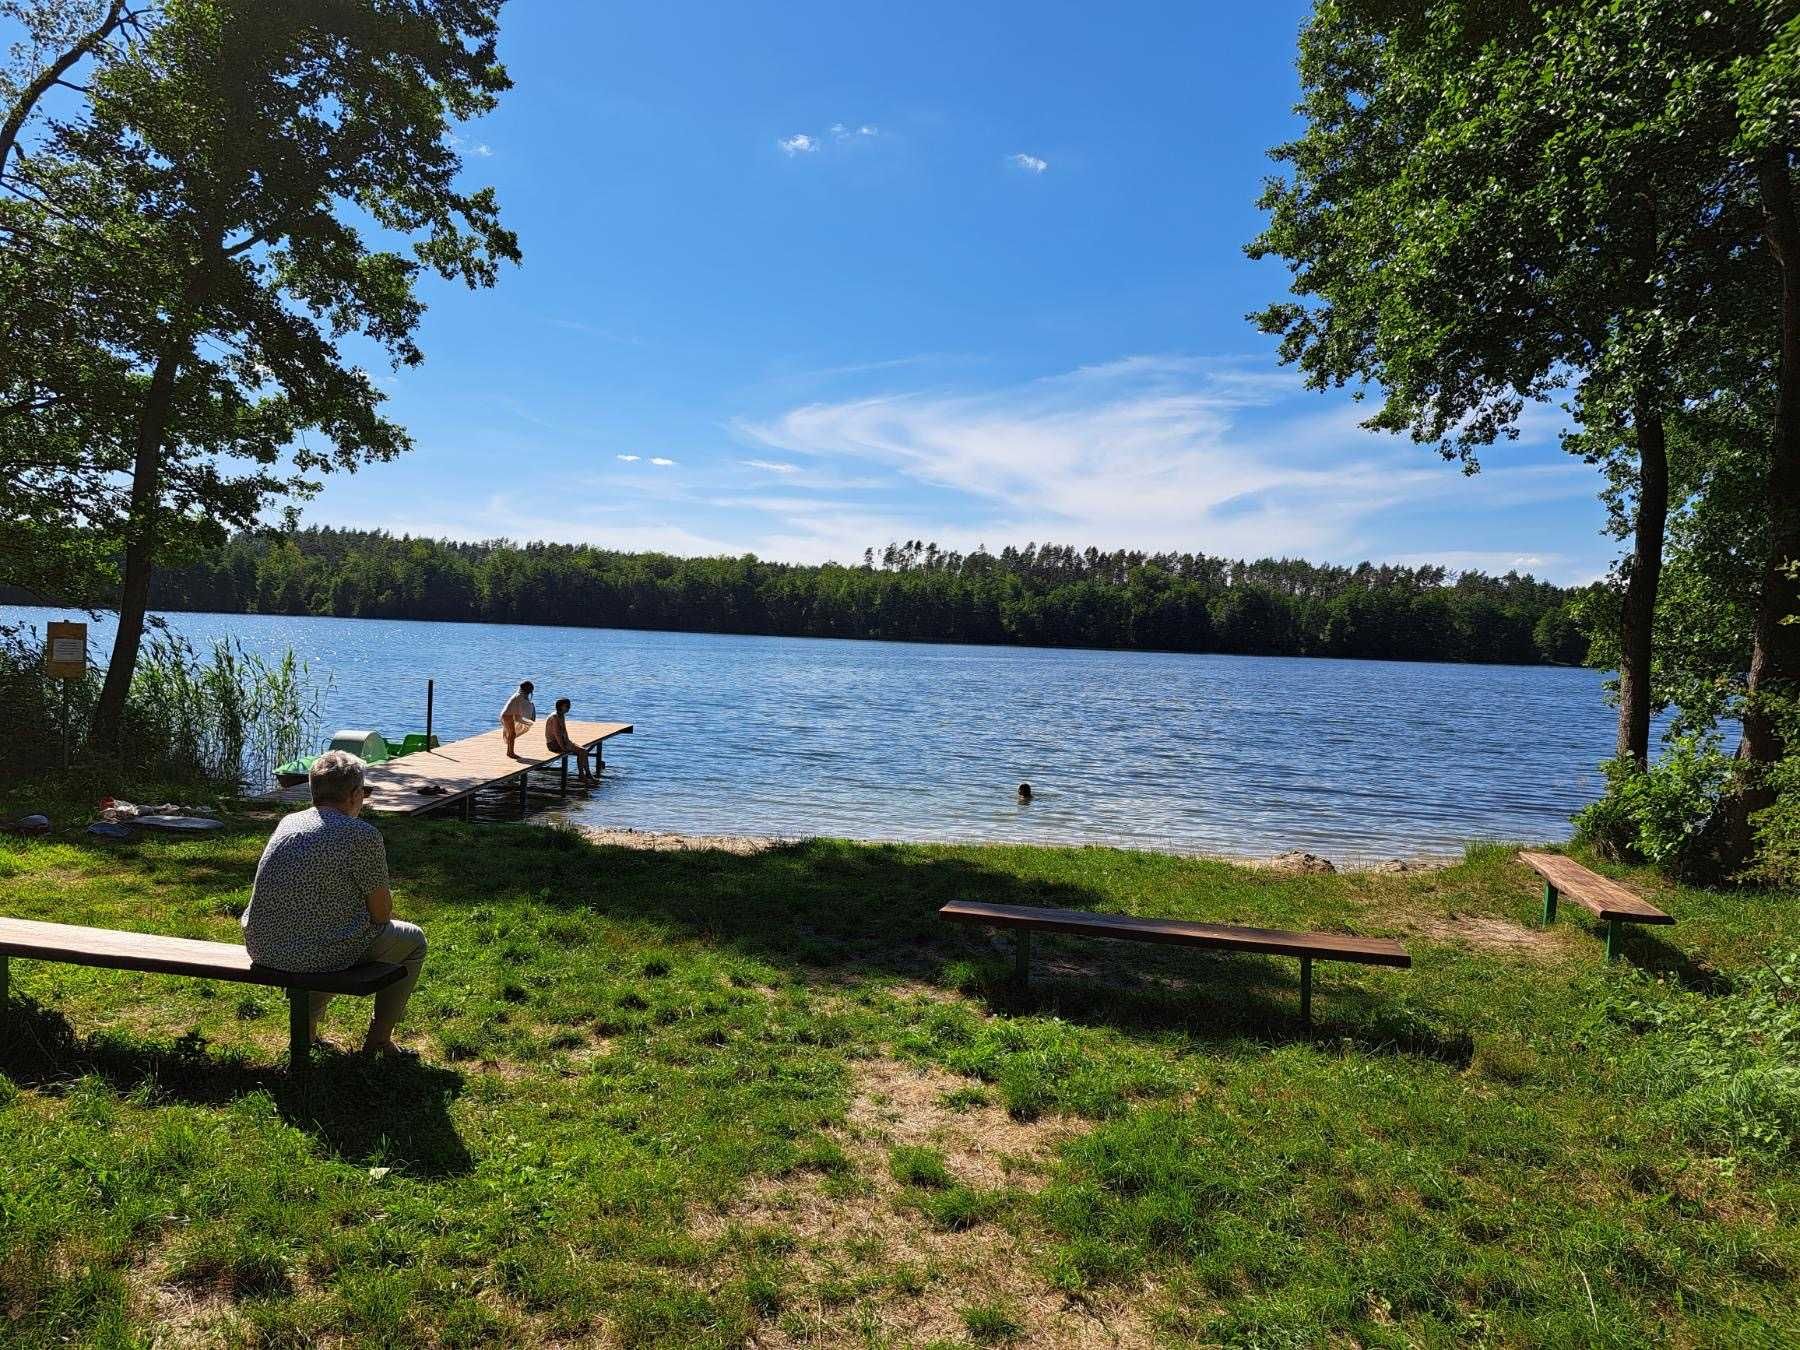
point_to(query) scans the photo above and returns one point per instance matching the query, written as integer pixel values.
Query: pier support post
(299, 1030)
(562, 777)
(524, 790)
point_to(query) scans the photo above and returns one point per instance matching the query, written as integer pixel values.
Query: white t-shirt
(520, 707)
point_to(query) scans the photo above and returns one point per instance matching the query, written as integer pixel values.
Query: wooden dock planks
(461, 768)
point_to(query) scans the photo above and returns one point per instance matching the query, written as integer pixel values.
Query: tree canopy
(1047, 595)
(244, 196)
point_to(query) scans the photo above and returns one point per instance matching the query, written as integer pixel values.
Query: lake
(1354, 760)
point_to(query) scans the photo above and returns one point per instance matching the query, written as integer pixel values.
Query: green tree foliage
(1492, 204)
(1046, 595)
(241, 196)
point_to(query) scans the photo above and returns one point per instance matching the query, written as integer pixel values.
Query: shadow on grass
(832, 913)
(392, 1112)
(1644, 949)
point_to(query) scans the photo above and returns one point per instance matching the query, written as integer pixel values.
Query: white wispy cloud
(771, 466)
(1494, 560)
(838, 133)
(1152, 452)
(658, 459)
(483, 149)
(1029, 163)
(629, 459)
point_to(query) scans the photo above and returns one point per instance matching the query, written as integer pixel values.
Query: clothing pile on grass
(120, 819)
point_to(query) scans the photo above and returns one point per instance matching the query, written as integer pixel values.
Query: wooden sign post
(65, 659)
(65, 650)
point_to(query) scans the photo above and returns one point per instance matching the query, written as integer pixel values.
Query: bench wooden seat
(1602, 897)
(72, 944)
(1307, 947)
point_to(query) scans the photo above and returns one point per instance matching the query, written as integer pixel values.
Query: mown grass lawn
(706, 1098)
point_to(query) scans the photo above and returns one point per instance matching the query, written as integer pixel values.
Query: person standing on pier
(556, 737)
(518, 714)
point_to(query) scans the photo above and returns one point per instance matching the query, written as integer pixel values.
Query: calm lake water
(875, 740)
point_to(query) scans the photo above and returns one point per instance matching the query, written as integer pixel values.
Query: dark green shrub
(1667, 814)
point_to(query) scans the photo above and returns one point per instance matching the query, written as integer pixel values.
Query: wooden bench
(160, 955)
(1308, 947)
(1601, 897)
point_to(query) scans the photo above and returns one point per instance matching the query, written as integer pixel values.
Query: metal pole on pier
(430, 690)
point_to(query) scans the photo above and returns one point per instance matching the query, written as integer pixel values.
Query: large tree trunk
(140, 553)
(1638, 619)
(1775, 658)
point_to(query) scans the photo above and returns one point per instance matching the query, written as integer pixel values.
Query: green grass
(697, 1097)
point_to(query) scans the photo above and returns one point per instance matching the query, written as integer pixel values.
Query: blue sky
(801, 279)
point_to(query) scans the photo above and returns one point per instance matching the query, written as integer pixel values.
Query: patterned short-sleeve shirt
(309, 904)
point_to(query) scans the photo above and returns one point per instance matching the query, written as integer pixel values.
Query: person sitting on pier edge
(556, 736)
(320, 900)
(518, 714)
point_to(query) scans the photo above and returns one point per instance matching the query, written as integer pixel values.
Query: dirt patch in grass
(1485, 933)
(744, 845)
(897, 1103)
(868, 1259)
(182, 1312)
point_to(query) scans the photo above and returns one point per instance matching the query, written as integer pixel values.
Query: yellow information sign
(65, 650)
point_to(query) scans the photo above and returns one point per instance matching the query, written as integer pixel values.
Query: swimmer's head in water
(1024, 792)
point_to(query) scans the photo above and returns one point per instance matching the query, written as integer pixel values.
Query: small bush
(1776, 861)
(1667, 814)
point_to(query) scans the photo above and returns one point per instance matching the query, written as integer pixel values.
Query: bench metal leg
(299, 1029)
(1306, 991)
(1612, 938)
(1549, 904)
(5, 989)
(1022, 959)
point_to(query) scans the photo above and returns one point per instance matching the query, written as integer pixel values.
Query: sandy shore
(746, 844)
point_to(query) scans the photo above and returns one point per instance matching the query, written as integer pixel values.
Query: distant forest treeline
(1045, 595)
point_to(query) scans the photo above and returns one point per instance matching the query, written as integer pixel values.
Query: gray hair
(334, 777)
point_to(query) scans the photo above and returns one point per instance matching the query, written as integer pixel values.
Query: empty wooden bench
(1600, 896)
(1308, 947)
(74, 945)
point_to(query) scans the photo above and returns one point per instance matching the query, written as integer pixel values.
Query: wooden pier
(452, 774)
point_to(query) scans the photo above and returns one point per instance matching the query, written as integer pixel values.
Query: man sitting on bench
(320, 900)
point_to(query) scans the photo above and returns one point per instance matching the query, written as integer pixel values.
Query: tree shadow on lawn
(395, 1112)
(835, 915)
